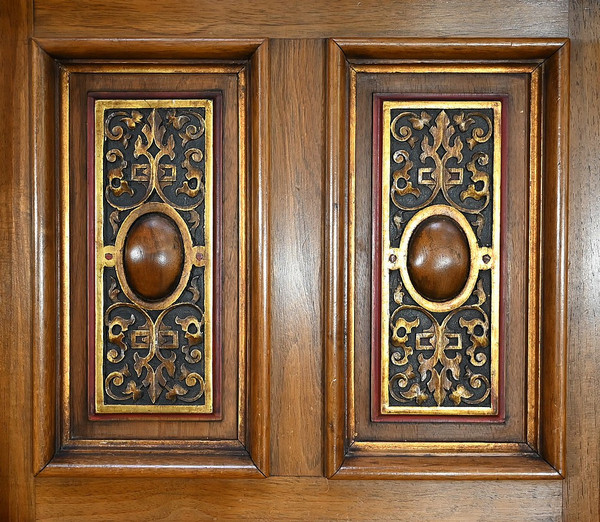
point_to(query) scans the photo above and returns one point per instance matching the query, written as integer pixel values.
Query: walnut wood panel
(16, 279)
(297, 123)
(581, 493)
(295, 498)
(216, 446)
(534, 427)
(27, 498)
(309, 19)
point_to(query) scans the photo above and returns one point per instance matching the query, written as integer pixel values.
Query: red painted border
(376, 263)
(217, 98)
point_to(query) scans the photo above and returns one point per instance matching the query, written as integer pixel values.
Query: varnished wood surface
(553, 267)
(335, 259)
(427, 48)
(307, 19)
(136, 464)
(438, 259)
(297, 122)
(467, 467)
(89, 47)
(43, 96)
(259, 299)
(581, 493)
(16, 249)
(153, 256)
(291, 498)
(280, 498)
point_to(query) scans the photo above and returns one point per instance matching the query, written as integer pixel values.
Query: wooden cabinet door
(290, 441)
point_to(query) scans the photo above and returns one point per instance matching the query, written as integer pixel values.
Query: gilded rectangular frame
(101, 261)
(386, 408)
(541, 455)
(55, 452)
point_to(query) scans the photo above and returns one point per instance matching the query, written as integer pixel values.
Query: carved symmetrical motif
(153, 256)
(439, 271)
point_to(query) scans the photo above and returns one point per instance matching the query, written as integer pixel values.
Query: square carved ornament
(437, 200)
(152, 261)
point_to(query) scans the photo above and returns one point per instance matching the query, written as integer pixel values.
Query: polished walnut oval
(153, 256)
(438, 258)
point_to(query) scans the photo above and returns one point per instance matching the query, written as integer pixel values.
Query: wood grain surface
(581, 494)
(553, 263)
(335, 259)
(16, 249)
(297, 114)
(259, 301)
(296, 146)
(43, 97)
(288, 498)
(306, 19)
(435, 47)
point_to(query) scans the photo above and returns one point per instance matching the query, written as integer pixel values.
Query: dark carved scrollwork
(154, 175)
(441, 175)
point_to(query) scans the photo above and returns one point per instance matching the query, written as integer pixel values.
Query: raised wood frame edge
(56, 454)
(336, 251)
(259, 340)
(451, 49)
(44, 231)
(542, 455)
(553, 270)
(149, 48)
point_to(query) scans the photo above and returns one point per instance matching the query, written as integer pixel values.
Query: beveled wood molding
(541, 455)
(451, 49)
(163, 463)
(55, 452)
(149, 48)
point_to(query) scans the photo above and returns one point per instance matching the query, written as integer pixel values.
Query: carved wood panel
(436, 235)
(155, 189)
(445, 355)
(152, 260)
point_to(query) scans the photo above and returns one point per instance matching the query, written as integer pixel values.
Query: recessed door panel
(154, 224)
(437, 155)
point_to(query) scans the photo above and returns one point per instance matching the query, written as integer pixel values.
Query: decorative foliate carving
(153, 255)
(439, 272)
